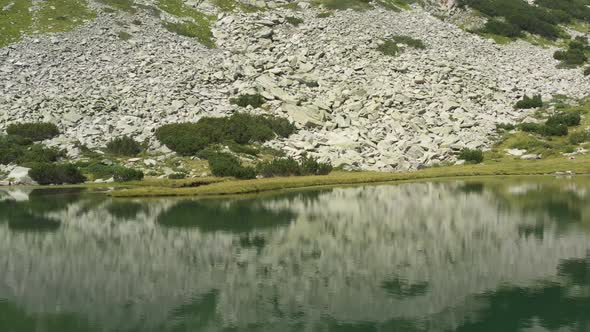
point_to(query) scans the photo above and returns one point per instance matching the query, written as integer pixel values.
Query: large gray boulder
(18, 176)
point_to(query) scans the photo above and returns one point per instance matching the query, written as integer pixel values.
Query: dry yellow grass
(580, 165)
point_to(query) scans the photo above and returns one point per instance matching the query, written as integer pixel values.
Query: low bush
(255, 100)
(45, 173)
(568, 119)
(40, 154)
(290, 167)
(522, 15)
(473, 156)
(279, 167)
(528, 102)
(575, 54)
(390, 46)
(502, 28)
(177, 176)
(35, 131)
(124, 174)
(223, 164)
(587, 71)
(118, 173)
(294, 21)
(242, 128)
(18, 150)
(505, 126)
(579, 137)
(551, 129)
(124, 146)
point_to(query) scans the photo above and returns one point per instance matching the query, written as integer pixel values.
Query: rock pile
(355, 105)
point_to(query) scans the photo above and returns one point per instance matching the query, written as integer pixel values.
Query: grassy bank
(580, 165)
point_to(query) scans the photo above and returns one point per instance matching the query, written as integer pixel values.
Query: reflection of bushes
(126, 210)
(402, 288)
(550, 304)
(211, 216)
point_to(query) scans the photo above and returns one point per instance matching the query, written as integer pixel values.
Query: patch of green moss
(124, 5)
(62, 15)
(199, 27)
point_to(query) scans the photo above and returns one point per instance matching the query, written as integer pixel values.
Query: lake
(497, 254)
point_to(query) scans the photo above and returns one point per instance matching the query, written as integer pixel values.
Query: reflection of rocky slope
(383, 254)
(371, 111)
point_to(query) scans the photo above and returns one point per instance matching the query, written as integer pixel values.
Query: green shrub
(311, 166)
(409, 41)
(575, 54)
(519, 13)
(390, 46)
(248, 100)
(587, 71)
(295, 21)
(568, 119)
(279, 167)
(38, 153)
(124, 174)
(554, 129)
(530, 127)
(528, 102)
(502, 28)
(117, 172)
(18, 150)
(45, 173)
(474, 156)
(177, 176)
(188, 138)
(35, 131)
(579, 137)
(223, 164)
(290, 167)
(505, 126)
(124, 146)
(242, 128)
(547, 129)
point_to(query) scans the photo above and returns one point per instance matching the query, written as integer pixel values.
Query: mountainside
(127, 71)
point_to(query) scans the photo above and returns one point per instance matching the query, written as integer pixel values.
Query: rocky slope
(356, 106)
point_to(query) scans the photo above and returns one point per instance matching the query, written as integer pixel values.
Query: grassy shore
(216, 187)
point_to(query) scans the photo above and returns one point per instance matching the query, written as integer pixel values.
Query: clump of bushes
(290, 167)
(224, 164)
(390, 46)
(519, 14)
(124, 146)
(255, 100)
(544, 129)
(118, 173)
(124, 174)
(35, 131)
(575, 55)
(587, 71)
(555, 125)
(294, 21)
(472, 156)
(191, 138)
(505, 126)
(177, 176)
(20, 150)
(528, 102)
(46, 173)
(579, 137)
(500, 28)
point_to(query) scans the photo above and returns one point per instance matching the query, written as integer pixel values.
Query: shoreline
(225, 187)
(211, 186)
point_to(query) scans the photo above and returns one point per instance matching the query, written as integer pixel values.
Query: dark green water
(493, 255)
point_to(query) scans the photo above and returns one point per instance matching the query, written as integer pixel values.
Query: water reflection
(451, 256)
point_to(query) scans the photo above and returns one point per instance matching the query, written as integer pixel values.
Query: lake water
(486, 255)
